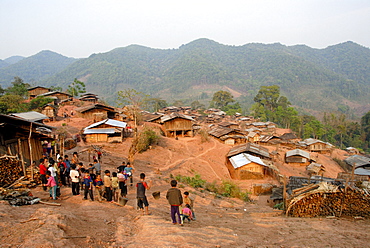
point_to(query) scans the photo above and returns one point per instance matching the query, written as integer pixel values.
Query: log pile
(328, 200)
(10, 170)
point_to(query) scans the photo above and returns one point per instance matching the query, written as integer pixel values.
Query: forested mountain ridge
(34, 68)
(312, 79)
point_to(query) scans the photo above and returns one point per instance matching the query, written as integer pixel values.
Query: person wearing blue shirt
(129, 171)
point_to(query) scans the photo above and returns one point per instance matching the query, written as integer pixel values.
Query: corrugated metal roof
(362, 172)
(298, 152)
(111, 122)
(243, 159)
(100, 131)
(54, 92)
(175, 115)
(30, 116)
(249, 148)
(359, 160)
(220, 131)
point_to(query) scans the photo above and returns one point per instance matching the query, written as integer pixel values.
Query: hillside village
(274, 168)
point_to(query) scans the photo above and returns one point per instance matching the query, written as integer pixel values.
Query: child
(108, 185)
(88, 184)
(187, 213)
(115, 186)
(142, 186)
(52, 184)
(174, 198)
(75, 177)
(99, 186)
(128, 171)
(190, 201)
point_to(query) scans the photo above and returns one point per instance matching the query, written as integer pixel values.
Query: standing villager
(142, 186)
(42, 170)
(96, 166)
(108, 185)
(122, 183)
(99, 187)
(115, 186)
(189, 201)
(174, 198)
(68, 170)
(75, 178)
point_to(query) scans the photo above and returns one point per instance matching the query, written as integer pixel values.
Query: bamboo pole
(21, 155)
(30, 147)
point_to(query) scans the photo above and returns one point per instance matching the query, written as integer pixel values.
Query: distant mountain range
(336, 78)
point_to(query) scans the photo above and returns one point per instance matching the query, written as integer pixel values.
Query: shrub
(146, 138)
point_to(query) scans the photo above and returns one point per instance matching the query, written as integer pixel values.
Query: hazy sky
(78, 28)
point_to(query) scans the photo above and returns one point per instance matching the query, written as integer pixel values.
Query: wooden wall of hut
(37, 91)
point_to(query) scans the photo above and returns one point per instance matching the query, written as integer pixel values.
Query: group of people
(182, 207)
(112, 186)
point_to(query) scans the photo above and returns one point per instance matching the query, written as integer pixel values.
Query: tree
(12, 104)
(19, 88)
(221, 99)
(56, 88)
(232, 109)
(39, 102)
(155, 104)
(135, 99)
(2, 91)
(197, 105)
(76, 88)
(268, 97)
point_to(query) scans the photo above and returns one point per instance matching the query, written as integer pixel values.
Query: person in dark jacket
(142, 186)
(174, 198)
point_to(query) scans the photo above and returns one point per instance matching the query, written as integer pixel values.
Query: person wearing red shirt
(43, 169)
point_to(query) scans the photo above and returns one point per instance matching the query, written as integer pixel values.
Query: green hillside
(35, 68)
(318, 79)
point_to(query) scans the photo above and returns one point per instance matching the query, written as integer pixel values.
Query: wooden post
(30, 148)
(284, 195)
(21, 155)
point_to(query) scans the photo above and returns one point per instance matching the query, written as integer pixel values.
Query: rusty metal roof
(250, 148)
(220, 131)
(358, 160)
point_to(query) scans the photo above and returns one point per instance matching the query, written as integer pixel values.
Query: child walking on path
(142, 186)
(174, 198)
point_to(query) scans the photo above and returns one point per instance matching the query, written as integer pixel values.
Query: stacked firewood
(319, 200)
(10, 170)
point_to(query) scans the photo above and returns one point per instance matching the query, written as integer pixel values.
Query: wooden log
(50, 203)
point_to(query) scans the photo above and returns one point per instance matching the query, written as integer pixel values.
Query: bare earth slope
(220, 222)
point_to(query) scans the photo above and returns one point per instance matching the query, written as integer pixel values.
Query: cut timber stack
(10, 170)
(328, 200)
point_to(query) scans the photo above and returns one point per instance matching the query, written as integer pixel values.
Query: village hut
(289, 137)
(23, 138)
(352, 150)
(231, 125)
(315, 169)
(315, 145)
(228, 135)
(253, 137)
(151, 117)
(177, 124)
(361, 164)
(89, 97)
(270, 139)
(57, 96)
(297, 157)
(245, 166)
(37, 90)
(50, 111)
(250, 148)
(108, 130)
(96, 112)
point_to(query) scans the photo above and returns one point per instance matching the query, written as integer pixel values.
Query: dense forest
(334, 79)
